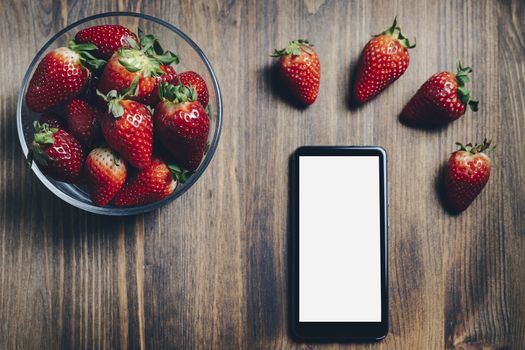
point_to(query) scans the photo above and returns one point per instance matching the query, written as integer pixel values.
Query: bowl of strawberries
(119, 113)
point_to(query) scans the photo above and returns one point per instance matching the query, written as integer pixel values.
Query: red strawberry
(105, 175)
(128, 128)
(383, 60)
(441, 99)
(60, 76)
(52, 120)
(82, 120)
(300, 70)
(182, 124)
(151, 184)
(147, 62)
(58, 154)
(108, 38)
(198, 83)
(467, 173)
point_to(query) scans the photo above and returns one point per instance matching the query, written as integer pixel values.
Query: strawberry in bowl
(146, 61)
(61, 75)
(58, 153)
(85, 114)
(107, 38)
(182, 124)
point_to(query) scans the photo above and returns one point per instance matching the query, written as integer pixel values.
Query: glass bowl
(171, 38)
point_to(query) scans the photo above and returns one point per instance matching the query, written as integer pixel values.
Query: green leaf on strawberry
(85, 55)
(113, 98)
(130, 66)
(177, 93)
(463, 93)
(394, 32)
(477, 148)
(43, 136)
(167, 57)
(294, 48)
(148, 55)
(43, 133)
(179, 174)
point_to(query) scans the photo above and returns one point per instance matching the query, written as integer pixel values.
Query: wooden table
(209, 270)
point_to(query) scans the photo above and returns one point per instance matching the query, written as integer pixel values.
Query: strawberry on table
(198, 83)
(146, 61)
(300, 69)
(57, 153)
(151, 184)
(105, 175)
(128, 127)
(383, 60)
(82, 120)
(108, 38)
(52, 120)
(466, 174)
(60, 76)
(182, 124)
(441, 99)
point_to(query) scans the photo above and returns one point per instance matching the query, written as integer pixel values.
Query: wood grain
(210, 270)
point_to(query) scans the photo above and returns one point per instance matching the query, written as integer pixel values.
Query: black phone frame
(338, 331)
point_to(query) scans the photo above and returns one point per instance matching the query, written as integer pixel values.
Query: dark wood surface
(209, 270)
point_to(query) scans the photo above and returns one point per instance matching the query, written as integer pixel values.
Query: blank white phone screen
(339, 239)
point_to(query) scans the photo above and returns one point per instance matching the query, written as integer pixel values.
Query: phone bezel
(338, 331)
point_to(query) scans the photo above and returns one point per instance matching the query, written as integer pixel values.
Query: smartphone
(339, 243)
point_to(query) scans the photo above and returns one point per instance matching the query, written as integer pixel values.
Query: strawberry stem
(294, 48)
(462, 78)
(179, 174)
(146, 56)
(85, 55)
(477, 148)
(43, 133)
(177, 93)
(394, 31)
(113, 98)
(43, 136)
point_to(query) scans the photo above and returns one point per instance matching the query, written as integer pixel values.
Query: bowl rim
(125, 211)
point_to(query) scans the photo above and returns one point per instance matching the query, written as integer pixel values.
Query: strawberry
(128, 127)
(105, 174)
(108, 38)
(60, 76)
(300, 70)
(383, 60)
(145, 61)
(58, 154)
(198, 83)
(151, 184)
(52, 120)
(441, 99)
(467, 173)
(182, 124)
(82, 121)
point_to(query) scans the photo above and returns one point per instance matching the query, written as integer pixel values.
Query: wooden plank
(210, 269)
